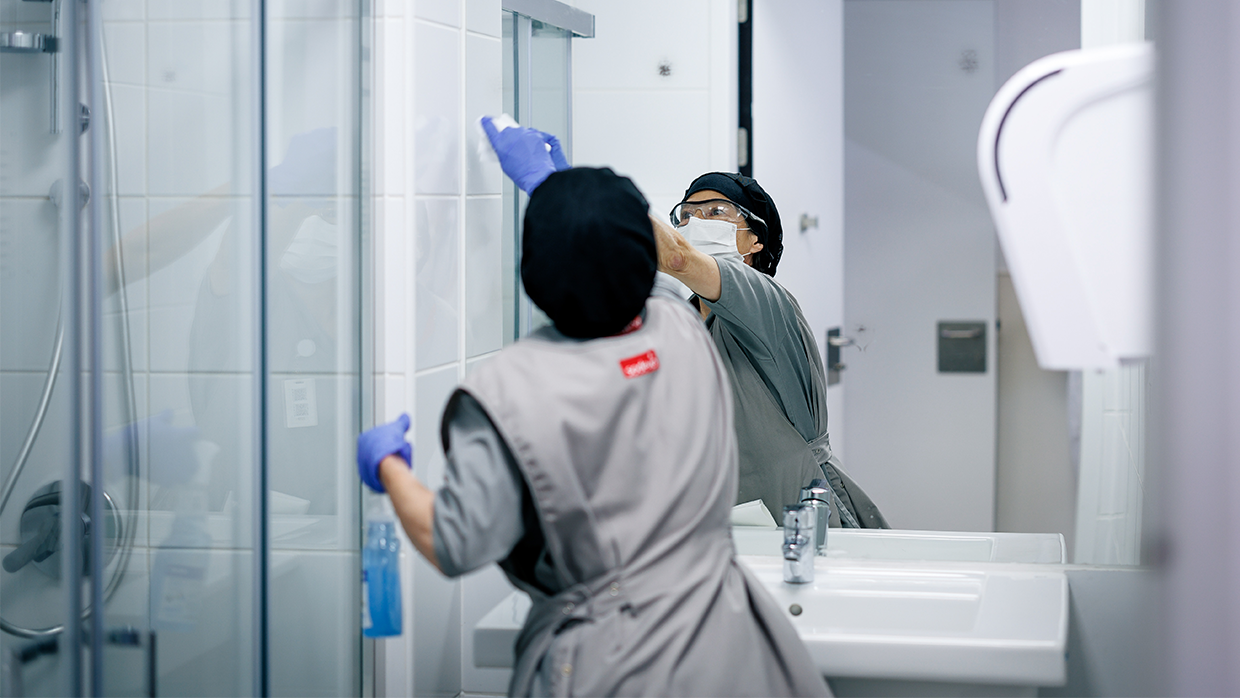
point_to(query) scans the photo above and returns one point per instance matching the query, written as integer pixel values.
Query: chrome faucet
(818, 495)
(799, 543)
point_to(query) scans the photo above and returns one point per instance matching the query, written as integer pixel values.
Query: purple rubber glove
(527, 156)
(378, 443)
(557, 153)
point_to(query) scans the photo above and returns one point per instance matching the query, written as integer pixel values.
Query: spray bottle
(381, 609)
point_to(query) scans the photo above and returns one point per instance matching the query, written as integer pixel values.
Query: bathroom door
(798, 126)
(918, 250)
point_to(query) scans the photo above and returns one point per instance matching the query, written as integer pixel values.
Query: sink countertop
(953, 621)
(895, 544)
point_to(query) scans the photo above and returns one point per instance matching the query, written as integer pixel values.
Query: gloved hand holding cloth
(528, 156)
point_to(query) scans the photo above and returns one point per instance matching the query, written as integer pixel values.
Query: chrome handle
(27, 42)
(960, 334)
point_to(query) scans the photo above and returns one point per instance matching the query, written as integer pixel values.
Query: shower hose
(125, 525)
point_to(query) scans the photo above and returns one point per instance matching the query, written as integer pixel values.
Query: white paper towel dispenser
(1065, 156)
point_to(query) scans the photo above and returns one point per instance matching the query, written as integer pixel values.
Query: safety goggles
(710, 209)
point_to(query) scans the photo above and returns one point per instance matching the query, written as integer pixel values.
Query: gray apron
(632, 472)
(775, 461)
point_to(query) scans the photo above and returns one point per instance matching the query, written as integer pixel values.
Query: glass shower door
(538, 93)
(225, 365)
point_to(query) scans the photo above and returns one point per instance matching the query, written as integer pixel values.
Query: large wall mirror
(865, 117)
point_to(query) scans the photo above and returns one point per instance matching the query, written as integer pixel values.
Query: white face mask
(313, 255)
(715, 238)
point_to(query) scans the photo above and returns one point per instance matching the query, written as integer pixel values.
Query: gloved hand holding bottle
(528, 156)
(381, 589)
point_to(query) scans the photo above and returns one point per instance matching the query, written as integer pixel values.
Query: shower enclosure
(180, 346)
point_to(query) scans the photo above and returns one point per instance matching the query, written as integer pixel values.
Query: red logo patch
(640, 365)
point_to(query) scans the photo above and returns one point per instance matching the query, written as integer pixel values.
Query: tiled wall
(438, 297)
(662, 130)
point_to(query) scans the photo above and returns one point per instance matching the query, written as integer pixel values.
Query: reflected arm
(168, 236)
(690, 266)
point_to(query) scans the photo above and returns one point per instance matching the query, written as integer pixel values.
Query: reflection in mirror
(538, 94)
(865, 121)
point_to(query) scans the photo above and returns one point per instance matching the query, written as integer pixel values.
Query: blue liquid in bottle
(381, 581)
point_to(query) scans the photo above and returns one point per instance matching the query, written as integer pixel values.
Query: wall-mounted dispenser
(1065, 156)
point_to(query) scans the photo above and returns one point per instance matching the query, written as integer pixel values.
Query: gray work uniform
(627, 466)
(780, 395)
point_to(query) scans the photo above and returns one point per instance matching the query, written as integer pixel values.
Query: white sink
(945, 622)
(948, 622)
(852, 543)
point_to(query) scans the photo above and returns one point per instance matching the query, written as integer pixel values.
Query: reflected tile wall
(484, 275)
(437, 280)
(310, 646)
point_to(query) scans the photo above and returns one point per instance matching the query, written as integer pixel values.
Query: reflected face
(746, 240)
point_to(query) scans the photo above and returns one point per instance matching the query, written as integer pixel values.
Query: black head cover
(748, 193)
(588, 254)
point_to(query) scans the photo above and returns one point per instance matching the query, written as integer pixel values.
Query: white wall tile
(132, 215)
(433, 390)
(27, 13)
(484, 85)
(130, 606)
(139, 335)
(484, 295)
(30, 163)
(389, 8)
(197, 9)
(21, 393)
(391, 71)
(201, 300)
(484, 16)
(194, 104)
(437, 112)
(309, 461)
(442, 11)
(37, 596)
(218, 409)
(481, 591)
(680, 38)
(192, 147)
(126, 52)
(198, 56)
(438, 276)
(392, 296)
(124, 10)
(311, 9)
(29, 281)
(392, 399)
(656, 124)
(213, 654)
(315, 653)
(437, 632)
(129, 488)
(437, 604)
(129, 110)
(472, 364)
